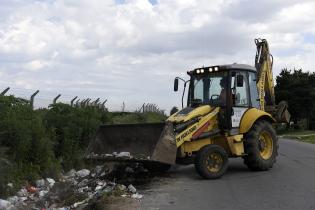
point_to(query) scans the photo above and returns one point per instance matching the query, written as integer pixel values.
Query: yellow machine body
(188, 142)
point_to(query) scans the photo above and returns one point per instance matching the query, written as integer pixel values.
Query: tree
(298, 89)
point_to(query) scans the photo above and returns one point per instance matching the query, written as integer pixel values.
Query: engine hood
(189, 113)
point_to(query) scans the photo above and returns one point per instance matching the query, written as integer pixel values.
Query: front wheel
(211, 162)
(261, 146)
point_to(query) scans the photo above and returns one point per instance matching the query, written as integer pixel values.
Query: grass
(304, 136)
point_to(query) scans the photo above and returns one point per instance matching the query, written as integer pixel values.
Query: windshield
(209, 89)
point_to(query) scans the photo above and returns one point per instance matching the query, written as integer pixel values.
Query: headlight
(210, 69)
(198, 71)
(216, 68)
(202, 70)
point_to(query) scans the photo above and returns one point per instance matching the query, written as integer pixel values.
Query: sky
(130, 51)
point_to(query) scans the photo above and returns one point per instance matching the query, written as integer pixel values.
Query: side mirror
(239, 80)
(176, 84)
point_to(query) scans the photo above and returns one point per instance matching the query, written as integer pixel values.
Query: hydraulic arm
(265, 85)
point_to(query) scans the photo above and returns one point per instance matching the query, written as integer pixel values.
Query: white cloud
(132, 51)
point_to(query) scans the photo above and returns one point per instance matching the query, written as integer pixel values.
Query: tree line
(298, 89)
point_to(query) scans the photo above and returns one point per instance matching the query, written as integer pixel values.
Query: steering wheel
(215, 97)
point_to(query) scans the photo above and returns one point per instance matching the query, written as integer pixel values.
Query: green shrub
(40, 143)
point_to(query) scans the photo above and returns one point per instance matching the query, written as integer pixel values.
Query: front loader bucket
(144, 142)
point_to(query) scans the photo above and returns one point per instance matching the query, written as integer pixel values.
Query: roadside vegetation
(302, 135)
(298, 89)
(44, 142)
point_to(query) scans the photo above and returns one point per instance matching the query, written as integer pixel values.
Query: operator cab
(231, 87)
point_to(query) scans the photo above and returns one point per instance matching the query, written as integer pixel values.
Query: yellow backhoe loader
(230, 112)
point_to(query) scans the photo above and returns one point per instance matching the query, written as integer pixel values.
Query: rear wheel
(211, 162)
(261, 146)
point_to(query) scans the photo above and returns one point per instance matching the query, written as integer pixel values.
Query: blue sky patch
(309, 38)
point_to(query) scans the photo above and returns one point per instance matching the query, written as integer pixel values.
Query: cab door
(240, 98)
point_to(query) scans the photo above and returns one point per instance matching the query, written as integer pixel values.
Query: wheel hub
(214, 162)
(265, 145)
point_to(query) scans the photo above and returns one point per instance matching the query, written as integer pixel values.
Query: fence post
(55, 99)
(95, 102)
(123, 107)
(32, 98)
(88, 101)
(77, 103)
(5, 91)
(73, 100)
(103, 104)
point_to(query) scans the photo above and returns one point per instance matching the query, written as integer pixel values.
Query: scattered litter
(22, 192)
(132, 189)
(75, 205)
(70, 173)
(31, 189)
(40, 183)
(98, 169)
(74, 186)
(22, 199)
(83, 173)
(83, 183)
(129, 170)
(51, 182)
(136, 196)
(4, 205)
(121, 187)
(13, 199)
(98, 187)
(42, 193)
(10, 185)
(123, 154)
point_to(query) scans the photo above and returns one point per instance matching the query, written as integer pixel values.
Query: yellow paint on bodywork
(197, 112)
(187, 134)
(250, 117)
(236, 144)
(193, 146)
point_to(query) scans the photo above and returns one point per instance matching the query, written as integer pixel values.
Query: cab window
(239, 85)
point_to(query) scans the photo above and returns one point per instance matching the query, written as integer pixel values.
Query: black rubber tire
(157, 167)
(253, 159)
(201, 157)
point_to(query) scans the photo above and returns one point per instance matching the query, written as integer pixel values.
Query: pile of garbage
(76, 189)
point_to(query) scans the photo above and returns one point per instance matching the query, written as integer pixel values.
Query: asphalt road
(290, 184)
